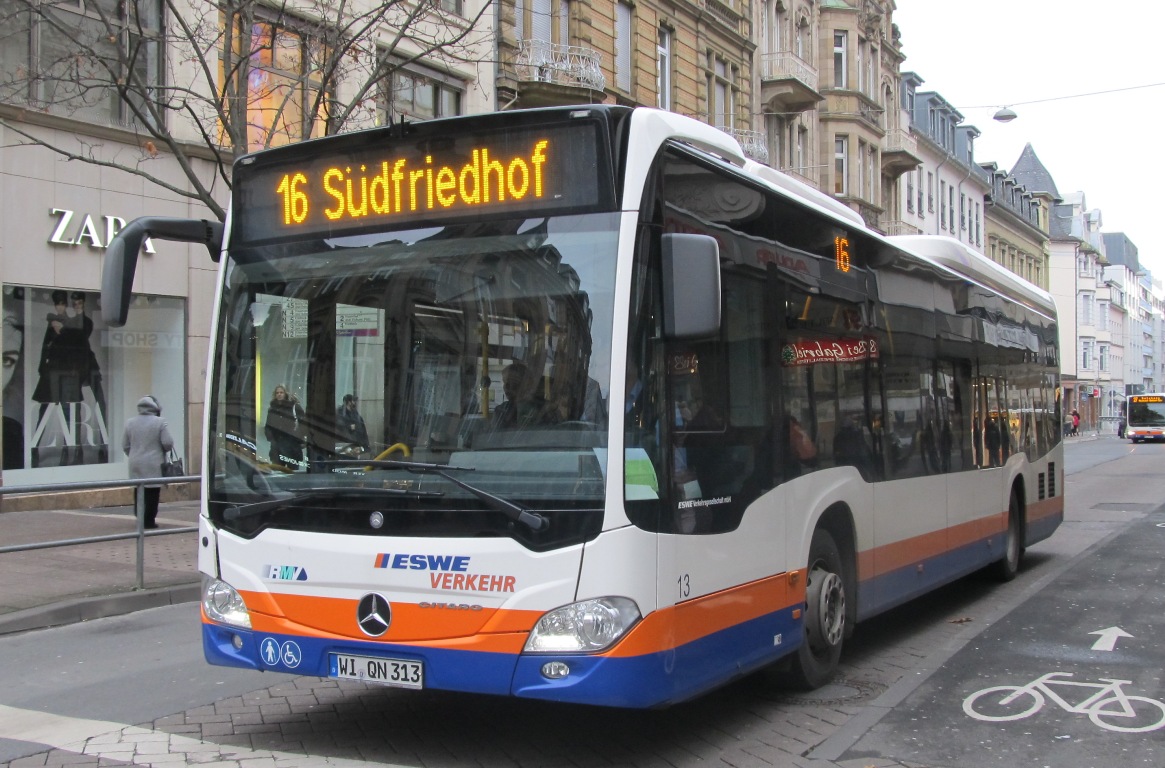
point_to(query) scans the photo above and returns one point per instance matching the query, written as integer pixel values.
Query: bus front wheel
(817, 659)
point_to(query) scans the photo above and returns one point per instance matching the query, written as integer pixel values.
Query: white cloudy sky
(988, 53)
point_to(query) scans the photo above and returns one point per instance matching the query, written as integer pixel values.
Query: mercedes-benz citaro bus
(642, 415)
(1145, 417)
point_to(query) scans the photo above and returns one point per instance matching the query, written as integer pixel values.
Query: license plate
(398, 673)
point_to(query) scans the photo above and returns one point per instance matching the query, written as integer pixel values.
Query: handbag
(172, 465)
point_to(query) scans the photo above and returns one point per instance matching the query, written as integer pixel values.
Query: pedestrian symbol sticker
(269, 651)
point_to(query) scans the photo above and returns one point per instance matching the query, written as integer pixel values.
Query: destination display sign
(1147, 399)
(339, 185)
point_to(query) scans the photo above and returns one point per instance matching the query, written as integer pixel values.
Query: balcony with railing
(900, 152)
(549, 73)
(801, 174)
(787, 82)
(724, 12)
(752, 142)
(850, 105)
(899, 227)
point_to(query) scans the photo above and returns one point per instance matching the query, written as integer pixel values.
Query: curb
(102, 606)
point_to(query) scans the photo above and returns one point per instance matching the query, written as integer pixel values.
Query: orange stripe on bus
(279, 612)
(691, 620)
(505, 631)
(900, 554)
(510, 643)
(879, 561)
(1038, 510)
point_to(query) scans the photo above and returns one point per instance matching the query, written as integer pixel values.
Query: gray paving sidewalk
(48, 587)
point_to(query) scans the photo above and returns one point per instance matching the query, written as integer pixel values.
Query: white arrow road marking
(141, 746)
(1108, 638)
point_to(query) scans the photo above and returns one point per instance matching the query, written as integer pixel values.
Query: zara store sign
(74, 230)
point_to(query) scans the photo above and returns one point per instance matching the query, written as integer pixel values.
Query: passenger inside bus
(801, 452)
(522, 406)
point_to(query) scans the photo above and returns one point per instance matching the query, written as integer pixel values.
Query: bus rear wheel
(1008, 566)
(818, 657)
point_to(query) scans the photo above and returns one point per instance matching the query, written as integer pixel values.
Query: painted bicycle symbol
(1108, 706)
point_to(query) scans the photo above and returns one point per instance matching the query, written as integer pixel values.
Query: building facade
(812, 87)
(1134, 284)
(79, 159)
(945, 194)
(1077, 264)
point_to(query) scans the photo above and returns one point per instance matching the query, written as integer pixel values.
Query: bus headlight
(583, 627)
(222, 603)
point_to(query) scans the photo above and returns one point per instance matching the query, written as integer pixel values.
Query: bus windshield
(1147, 411)
(414, 378)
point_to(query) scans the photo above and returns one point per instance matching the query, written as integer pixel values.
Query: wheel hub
(825, 600)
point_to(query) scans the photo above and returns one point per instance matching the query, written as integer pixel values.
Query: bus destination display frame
(380, 180)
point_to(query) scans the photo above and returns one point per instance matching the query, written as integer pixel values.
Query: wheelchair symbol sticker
(290, 654)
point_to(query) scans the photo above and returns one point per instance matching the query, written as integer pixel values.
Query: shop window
(71, 381)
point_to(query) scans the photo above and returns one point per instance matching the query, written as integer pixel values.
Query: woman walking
(147, 440)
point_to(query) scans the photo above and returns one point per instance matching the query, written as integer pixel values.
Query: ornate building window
(94, 60)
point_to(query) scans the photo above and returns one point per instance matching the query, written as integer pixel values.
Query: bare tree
(203, 80)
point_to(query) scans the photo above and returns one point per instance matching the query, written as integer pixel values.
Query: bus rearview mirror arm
(691, 286)
(121, 256)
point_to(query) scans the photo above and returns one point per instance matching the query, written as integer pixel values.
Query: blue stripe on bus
(638, 681)
(891, 589)
(1038, 530)
(665, 677)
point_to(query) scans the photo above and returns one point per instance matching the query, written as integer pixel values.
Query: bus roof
(964, 260)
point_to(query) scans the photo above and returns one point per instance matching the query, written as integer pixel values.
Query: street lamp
(1005, 115)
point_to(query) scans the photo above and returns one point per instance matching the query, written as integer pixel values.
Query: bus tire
(824, 621)
(1007, 566)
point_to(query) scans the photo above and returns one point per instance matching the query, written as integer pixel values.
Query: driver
(521, 408)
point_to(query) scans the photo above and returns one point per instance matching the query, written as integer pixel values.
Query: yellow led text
(841, 253)
(395, 187)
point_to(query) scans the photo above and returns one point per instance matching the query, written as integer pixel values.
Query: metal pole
(140, 514)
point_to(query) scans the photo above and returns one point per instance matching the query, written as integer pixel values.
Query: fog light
(555, 670)
(237, 642)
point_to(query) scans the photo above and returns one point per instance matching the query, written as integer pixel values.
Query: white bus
(1145, 417)
(642, 415)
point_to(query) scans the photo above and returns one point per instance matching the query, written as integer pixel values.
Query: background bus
(644, 415)
(1145, 417)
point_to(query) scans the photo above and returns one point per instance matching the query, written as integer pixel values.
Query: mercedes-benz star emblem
(373, 614)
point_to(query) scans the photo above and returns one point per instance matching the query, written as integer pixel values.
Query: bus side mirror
(121, 256)
(691, 286)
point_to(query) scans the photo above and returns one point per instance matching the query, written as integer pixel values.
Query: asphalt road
(135, 690)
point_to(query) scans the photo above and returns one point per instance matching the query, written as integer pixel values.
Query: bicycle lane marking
(1112, 584)
(1108, 705)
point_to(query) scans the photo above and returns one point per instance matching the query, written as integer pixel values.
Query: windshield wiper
(307, 494)
(510, 509)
